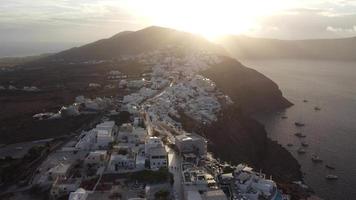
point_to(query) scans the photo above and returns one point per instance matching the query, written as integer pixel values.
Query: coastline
(237, 138)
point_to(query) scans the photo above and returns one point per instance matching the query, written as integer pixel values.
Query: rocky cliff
(237, 138)
(248, 88)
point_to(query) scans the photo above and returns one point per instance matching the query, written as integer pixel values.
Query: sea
(330, 132)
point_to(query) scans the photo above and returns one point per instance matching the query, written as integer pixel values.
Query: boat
(304, 144)
(316, 108)
(316, 159)
(284, 117)
(330, 167)
(299, 124)
(299, 134)
(331, 177)
(301, 151)
(305, 101)
(290, 144)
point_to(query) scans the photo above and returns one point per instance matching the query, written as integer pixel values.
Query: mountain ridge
(245, 47)
(135, 42)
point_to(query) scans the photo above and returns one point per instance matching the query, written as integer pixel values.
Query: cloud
(89, 20)
(341, 30)
(63, 20)
(303, 23)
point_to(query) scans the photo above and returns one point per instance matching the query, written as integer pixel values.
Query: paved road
(174, 165)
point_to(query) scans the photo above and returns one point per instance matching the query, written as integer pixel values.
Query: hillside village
(150, 155)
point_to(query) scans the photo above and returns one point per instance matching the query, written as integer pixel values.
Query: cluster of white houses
(108, 149)
(174, 86)
(130, 147)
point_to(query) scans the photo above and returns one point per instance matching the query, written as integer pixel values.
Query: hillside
(243, 47)
(252, 90)
(60, 78)
(14, 61)
(128, 43)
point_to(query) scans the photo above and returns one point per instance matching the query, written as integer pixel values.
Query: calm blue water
(331, 132)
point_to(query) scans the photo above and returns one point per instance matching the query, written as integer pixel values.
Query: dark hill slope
(243, 47)
(127, 42)
(237, 138)
(248, 88)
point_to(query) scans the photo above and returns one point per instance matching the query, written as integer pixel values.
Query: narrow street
(174, 165)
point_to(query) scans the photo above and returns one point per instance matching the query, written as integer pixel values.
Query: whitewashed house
(121, 162)
(191, 143)
(105, 134)
(79, 194)
(87, 140)
(158, 157)
(152, 142)
(63, 187)
(60, 171)
(96, 158)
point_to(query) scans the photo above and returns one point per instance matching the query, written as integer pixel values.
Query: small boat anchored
(316, 108)
(304, 144)
(330, 167)
(331, 177)
(300, 135)
(305, 101)
(316, 159)
(299, 124)
(301, 151)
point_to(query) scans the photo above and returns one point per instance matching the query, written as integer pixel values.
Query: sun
(210, 18)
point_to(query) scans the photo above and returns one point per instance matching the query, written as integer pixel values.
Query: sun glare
(208, 18)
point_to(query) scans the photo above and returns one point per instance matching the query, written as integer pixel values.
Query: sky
(71, 22)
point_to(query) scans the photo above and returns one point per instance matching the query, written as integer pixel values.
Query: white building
(129, 134)
(31, 89)
(62, 187)
(107, 127)
(96, 158)
(140, 135)
(123, 83)
(156, 153)
(79, 194)
(135, 84)
(105, 133)
(94, 85)
(158, 157)
(121, 162)
(87, 140)
(254, 185)
(152, 142)
(126, 128)
(60, 171)
(191, 143)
